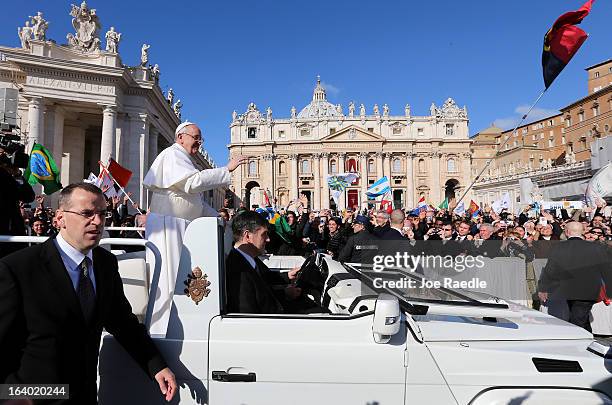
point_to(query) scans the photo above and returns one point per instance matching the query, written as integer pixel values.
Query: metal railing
(110, 241)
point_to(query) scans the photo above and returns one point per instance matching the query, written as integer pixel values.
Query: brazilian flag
(42, 169)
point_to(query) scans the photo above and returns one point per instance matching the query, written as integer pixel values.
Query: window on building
(595, 110)
(333, 166)
(550, 123)
(551, 142)
(524, 131)
(281, 134)
(583, 141)
(251, 132)
(515, 143)
(305, 131)
(282, 167)
(451, 167)
(596, 75)
(568, 121)
(371, 168)
(450, 129)
(305, 166)
(396, 166)
(542, 135)
(421, 165)
(563, 140)
(580, 116)
(332, 131)
(370, 129)
(397, 130)
(351, 165)
(253, 168)
(533, 137)
(420, 131)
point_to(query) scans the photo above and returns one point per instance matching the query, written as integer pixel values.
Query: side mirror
(387, 318)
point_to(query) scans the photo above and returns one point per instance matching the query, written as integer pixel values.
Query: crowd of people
(296, 230)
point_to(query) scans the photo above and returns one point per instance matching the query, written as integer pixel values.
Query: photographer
(14, 189)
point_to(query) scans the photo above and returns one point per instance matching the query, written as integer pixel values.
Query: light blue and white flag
(460, 209)
(380, 187)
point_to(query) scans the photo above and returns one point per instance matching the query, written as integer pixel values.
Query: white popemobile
(377, 346)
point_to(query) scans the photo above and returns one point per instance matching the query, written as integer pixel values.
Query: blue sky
(219, 56)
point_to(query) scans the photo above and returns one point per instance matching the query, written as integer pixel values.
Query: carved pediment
(353, 134)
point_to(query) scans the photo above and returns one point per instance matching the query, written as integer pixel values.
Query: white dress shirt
(72, 258)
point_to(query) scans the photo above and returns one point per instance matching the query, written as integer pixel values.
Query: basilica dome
(319, 107)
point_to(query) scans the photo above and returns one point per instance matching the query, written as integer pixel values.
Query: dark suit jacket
(392, 234)
(576, 270)
(43, 335)
(249, 291)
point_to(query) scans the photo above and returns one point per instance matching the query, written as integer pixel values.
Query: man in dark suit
(251, 286)
(396, 220)
(55, 299)
(575, 272)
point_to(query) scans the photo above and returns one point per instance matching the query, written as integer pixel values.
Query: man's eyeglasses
(89, 214)
(195, 138)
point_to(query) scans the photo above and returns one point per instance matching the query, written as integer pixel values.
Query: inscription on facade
(52, 83)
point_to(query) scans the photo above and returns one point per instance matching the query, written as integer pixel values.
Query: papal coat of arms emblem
(197, 284)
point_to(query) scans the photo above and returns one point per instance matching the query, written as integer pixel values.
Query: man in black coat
(361, 244)
(251, 286)
(575, 272)
(55, 299)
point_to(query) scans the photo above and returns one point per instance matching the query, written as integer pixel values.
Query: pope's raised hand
(236, 161)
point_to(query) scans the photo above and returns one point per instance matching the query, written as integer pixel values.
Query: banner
(600, 185)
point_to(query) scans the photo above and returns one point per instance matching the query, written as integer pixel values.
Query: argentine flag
(381, 187)
(460, 209)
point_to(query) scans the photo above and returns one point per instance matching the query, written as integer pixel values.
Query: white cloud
(330, 88)
(535, 115)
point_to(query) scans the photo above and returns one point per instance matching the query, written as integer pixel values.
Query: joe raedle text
(446, 282)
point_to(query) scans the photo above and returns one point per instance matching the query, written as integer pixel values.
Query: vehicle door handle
(228, 377)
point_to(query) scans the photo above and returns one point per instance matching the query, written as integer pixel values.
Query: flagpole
(501, 147)
(121, 188)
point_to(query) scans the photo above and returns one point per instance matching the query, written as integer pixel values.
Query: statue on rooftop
(177, 108)
(86, 23)
(25, 35)
(351, 109)
(39, 26)
(144, 54)
(112, 40)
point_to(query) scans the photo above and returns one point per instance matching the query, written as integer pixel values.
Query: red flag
(562, 41)
(120, 174)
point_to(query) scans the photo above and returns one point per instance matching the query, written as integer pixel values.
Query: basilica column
(293, 192)
(316, 198)
(267, 176)
(325, 195)
(379, 165)
(109, 124)
(36, 110)
(466, 175)
(153, 151)
(388, 156)
(410, 186)
(342, 169)
(434, 176)
(363, 180)
(121, 141)
(138, 155)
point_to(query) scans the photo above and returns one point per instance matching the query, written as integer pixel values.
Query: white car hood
(519, 323)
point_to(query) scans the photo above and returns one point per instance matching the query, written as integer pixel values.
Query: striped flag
(380, 187)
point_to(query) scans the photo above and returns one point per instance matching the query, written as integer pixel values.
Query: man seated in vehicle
(251, 286)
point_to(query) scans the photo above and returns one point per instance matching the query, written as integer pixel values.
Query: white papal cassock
(176, 200)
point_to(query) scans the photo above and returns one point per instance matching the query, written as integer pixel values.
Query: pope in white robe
(176, 200)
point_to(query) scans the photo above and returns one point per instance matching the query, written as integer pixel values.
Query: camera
(14, 151)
